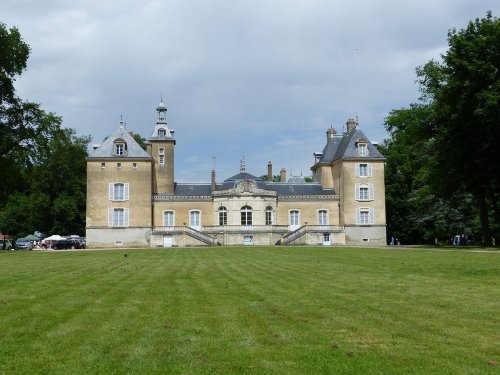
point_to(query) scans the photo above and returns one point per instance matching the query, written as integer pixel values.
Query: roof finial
(122, 123)
(242, 163)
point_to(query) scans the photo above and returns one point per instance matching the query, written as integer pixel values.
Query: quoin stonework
(133, 199)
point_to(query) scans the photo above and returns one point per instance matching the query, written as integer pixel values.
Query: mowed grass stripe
(249, 310)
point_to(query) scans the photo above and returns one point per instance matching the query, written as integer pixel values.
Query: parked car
(23, 244)
(68, 243)
(83, 242)
(5, 244)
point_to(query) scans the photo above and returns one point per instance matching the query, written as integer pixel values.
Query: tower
(161, 146)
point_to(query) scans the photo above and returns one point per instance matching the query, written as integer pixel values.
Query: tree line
(442, 154)
(42, 164)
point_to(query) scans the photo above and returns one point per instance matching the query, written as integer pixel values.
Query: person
(392, 240)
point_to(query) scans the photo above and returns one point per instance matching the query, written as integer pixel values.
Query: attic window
(161, 133)
(120, 147)
(362, 149)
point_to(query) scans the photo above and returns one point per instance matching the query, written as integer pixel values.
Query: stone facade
(134, 201)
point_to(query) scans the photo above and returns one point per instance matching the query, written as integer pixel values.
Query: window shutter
(357, 170)
(358, 216)
(369, 170)
(371, 191)
(125, 191)
(111, 191)
(125, 217)
(372, 216)
(110, 217)
(356, 191)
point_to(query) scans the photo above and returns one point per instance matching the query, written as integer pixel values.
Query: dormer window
(362, 149)
(120, 147)
(161, 133)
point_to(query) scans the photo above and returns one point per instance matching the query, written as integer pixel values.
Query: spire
(242, 164)
(162, 111)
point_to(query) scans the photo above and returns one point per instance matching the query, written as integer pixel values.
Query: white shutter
(356, 191)
(372, 216)
(111, 191)
(357, 170)
(358, 216)
(371, 192)
(110, 217)
(369, 170)
(125, 191)
(125, 217)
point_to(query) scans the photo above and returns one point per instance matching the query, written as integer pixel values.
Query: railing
(186, 230)
(296, 234)
(287, 237)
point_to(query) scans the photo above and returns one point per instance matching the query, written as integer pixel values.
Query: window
(118, 191)
(222, 216)
(118, 217)
(120, 147)
(161, 133)
(161, 155)
(194, 219)
(103, 165)
(322, 217)
(168, 219)
(364, 192)
(365, 216)
(118, 165)
(362, 149)
(363, 170)
(269, 215)
(326, 237)
(294, 217)
(134, 165)
(246, 215)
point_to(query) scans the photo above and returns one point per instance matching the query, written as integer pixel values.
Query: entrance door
(294, 220)
(194, 220)
(167, 241)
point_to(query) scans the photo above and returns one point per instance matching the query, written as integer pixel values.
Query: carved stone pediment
(245, 187)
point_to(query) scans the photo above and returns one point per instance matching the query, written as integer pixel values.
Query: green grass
(250, 311)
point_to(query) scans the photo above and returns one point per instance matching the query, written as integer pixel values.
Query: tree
(465, 94)
(42, 165)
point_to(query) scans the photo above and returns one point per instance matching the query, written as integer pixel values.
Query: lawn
(269, 310)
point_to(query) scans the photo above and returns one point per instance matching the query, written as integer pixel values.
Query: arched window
(246, 215)
(222, 216)
(168, 218)
(269, 215)
(322, 217)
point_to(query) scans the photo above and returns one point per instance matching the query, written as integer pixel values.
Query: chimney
(351, 124)
(213, 180)
(330, 133)
(283, 175)
(269, 172)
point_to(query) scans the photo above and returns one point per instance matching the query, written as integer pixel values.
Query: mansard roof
(283, 189)
(107, 148)
(344, 147)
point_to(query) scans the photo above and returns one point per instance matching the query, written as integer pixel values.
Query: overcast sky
(260, 78)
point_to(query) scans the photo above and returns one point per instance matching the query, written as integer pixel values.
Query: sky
(261, 80)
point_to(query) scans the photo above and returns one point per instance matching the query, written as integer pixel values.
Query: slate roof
(106, 149)
(283, 189)
(344, 147)
(192, 189)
